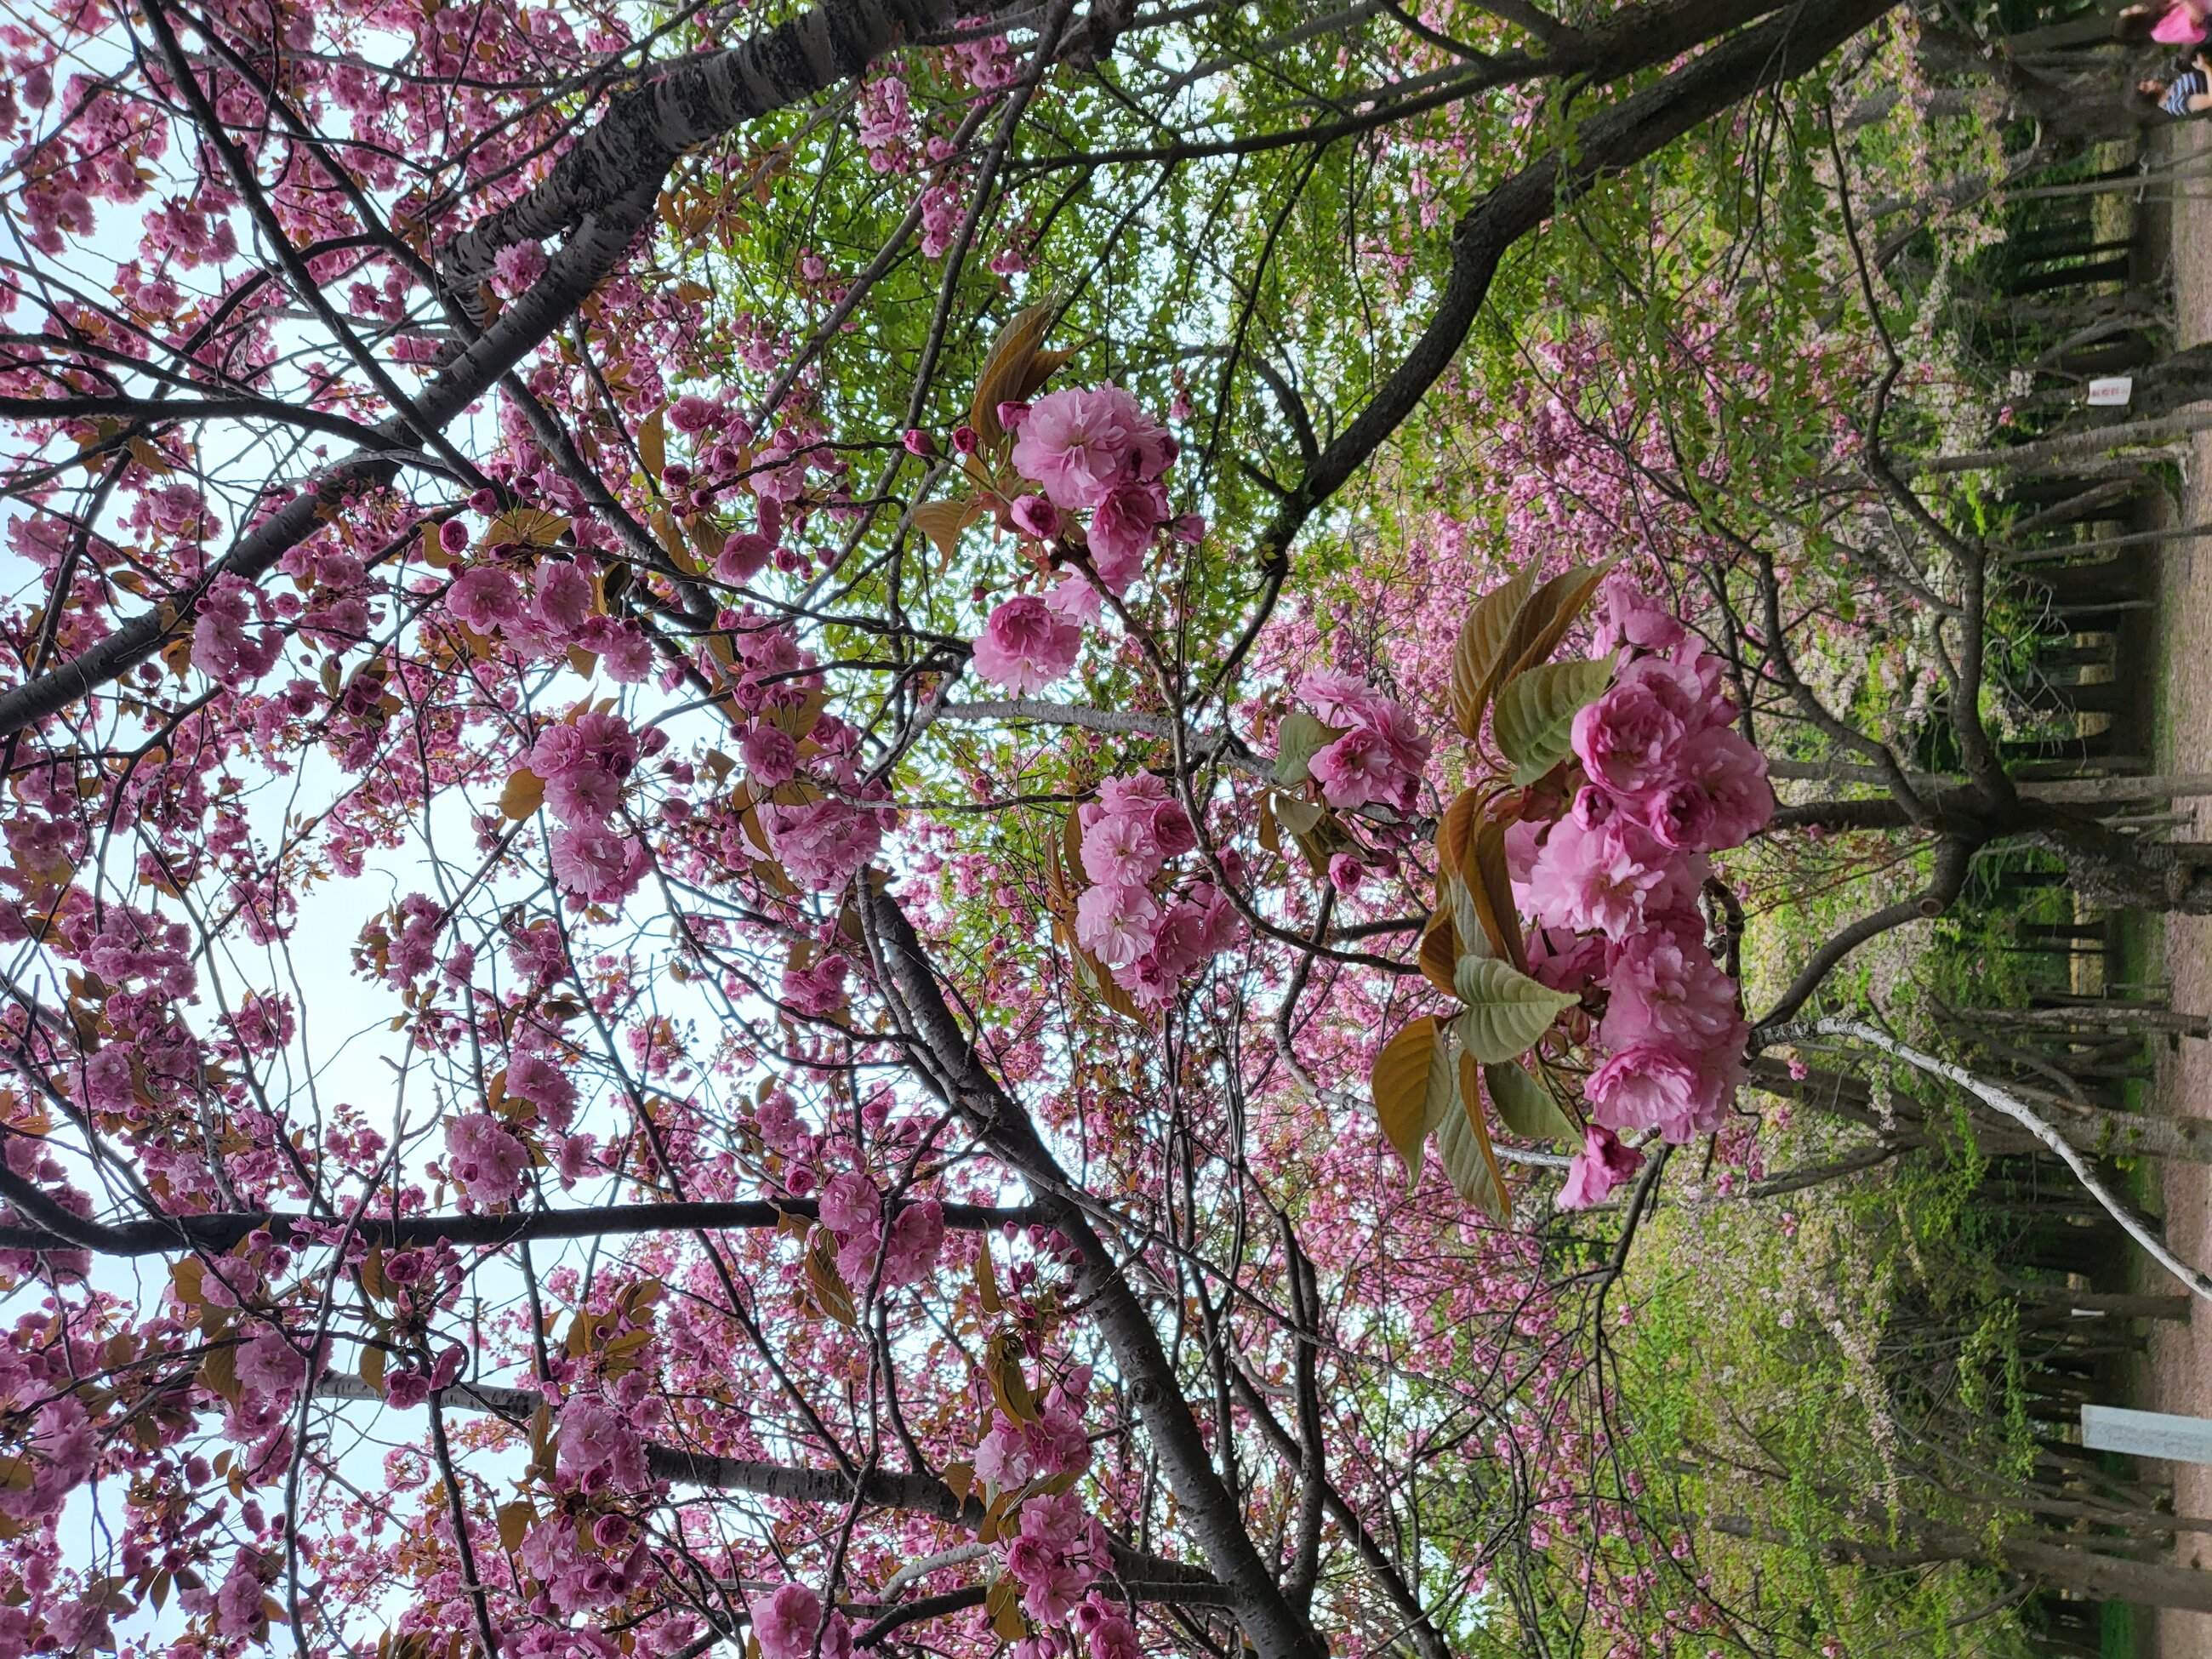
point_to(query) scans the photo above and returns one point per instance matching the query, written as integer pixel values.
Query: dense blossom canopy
(731, 917)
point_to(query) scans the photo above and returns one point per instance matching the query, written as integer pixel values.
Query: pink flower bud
(919, 443)
(965, 440)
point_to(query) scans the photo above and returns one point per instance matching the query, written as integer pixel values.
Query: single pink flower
(1602, 1164)
(1026, 645)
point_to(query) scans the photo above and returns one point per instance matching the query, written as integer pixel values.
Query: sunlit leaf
(524, 527)
(943, 521)
(1544, 621)
(1300, 737)
(1004, 376)
(1400, 1086)
(524, 794)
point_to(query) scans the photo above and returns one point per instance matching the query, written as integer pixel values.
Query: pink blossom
(1382, 752)
(484, 598)
(563, 597)
(1357, 769)
(1116, 924)
(596, 864)
(1605, 878)
(1602, 1164)
(771, 756)
(1122, 849)
(742, 558)
(238, 1610)
(517, 265)
(1026, 645)
(1633, 617)
(483, 1159)
(1630, 741)
(600, 1449)
(1733, 775)
(1034, 516)
(787, 1622)
(691, 414)
(270, 1365)
(850, 1205)
(535, 1079)
(1122, 531)
(1079, 444)
(818, 988)
(1666, 988)
(1340, 700)
(916, 1238)
(823, 844)
(222, 647)
(1074, 599)
(1651, 1086)
(583, 795)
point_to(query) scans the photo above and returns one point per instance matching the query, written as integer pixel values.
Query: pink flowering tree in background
(703, 947)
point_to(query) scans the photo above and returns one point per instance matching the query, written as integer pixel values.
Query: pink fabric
(2182, 26)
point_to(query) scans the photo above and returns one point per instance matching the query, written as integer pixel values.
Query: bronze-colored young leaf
(1550, 612)
(1490, 885)
(1440, 952)
(1506, 1010)
(1002, 1363)
(1534, 717)
(831, 1294)
(943, 521)
(525, 527)
(1399, 1086)
(1482, 644)
(515, 1521)
(652, 444)
(1463, 1147)
(1004, 377)
(986, 1278)
(1453, 829)
(1525, 1106)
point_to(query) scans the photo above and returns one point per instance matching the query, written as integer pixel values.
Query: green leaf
(1534, 717)
(1463, 1148)
(1300, 737)
(1506, 1010)
(1297, 814)
(1525, 1106)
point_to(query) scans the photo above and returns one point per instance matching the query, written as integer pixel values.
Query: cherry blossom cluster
(1612, 883)
(1131, 919)
(853, 1210)
(1382, 752)
(1092, 452)
(584, 762)
(559, 610)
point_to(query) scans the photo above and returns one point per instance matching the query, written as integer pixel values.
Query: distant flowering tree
(691, 930)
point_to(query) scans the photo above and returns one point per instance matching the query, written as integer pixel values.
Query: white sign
(2111, 391)
(2147, 1434)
